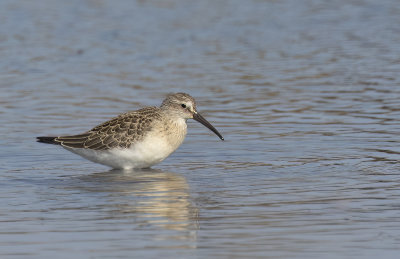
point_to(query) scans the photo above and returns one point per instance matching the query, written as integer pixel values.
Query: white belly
(153, 149)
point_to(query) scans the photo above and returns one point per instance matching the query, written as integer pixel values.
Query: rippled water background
(306, 94)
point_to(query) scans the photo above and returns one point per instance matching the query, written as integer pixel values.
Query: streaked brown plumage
(121, 131)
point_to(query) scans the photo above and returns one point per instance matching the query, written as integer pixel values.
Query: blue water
(304, 92)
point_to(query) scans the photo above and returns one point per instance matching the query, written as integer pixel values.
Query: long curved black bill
(199, 118)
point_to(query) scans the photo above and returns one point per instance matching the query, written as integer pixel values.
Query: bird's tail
(47, 140)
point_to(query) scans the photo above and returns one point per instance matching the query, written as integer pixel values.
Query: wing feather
(121, 131)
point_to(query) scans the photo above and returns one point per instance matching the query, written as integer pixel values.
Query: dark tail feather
(48, 140)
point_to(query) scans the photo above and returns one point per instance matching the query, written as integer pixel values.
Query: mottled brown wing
(121, 131)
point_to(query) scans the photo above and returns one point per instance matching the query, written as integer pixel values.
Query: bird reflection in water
(152, 197)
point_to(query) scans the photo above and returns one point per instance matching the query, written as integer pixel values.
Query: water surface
(304, 92)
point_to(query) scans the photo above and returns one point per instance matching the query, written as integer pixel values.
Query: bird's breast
(161, 141)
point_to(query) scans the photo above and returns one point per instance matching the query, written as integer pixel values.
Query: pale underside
(150, 151)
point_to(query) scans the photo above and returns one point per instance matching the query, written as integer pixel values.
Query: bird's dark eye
(183, 105)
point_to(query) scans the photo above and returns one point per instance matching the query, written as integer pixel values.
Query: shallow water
(305, 93)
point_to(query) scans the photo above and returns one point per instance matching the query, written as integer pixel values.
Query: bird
(137, 139)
